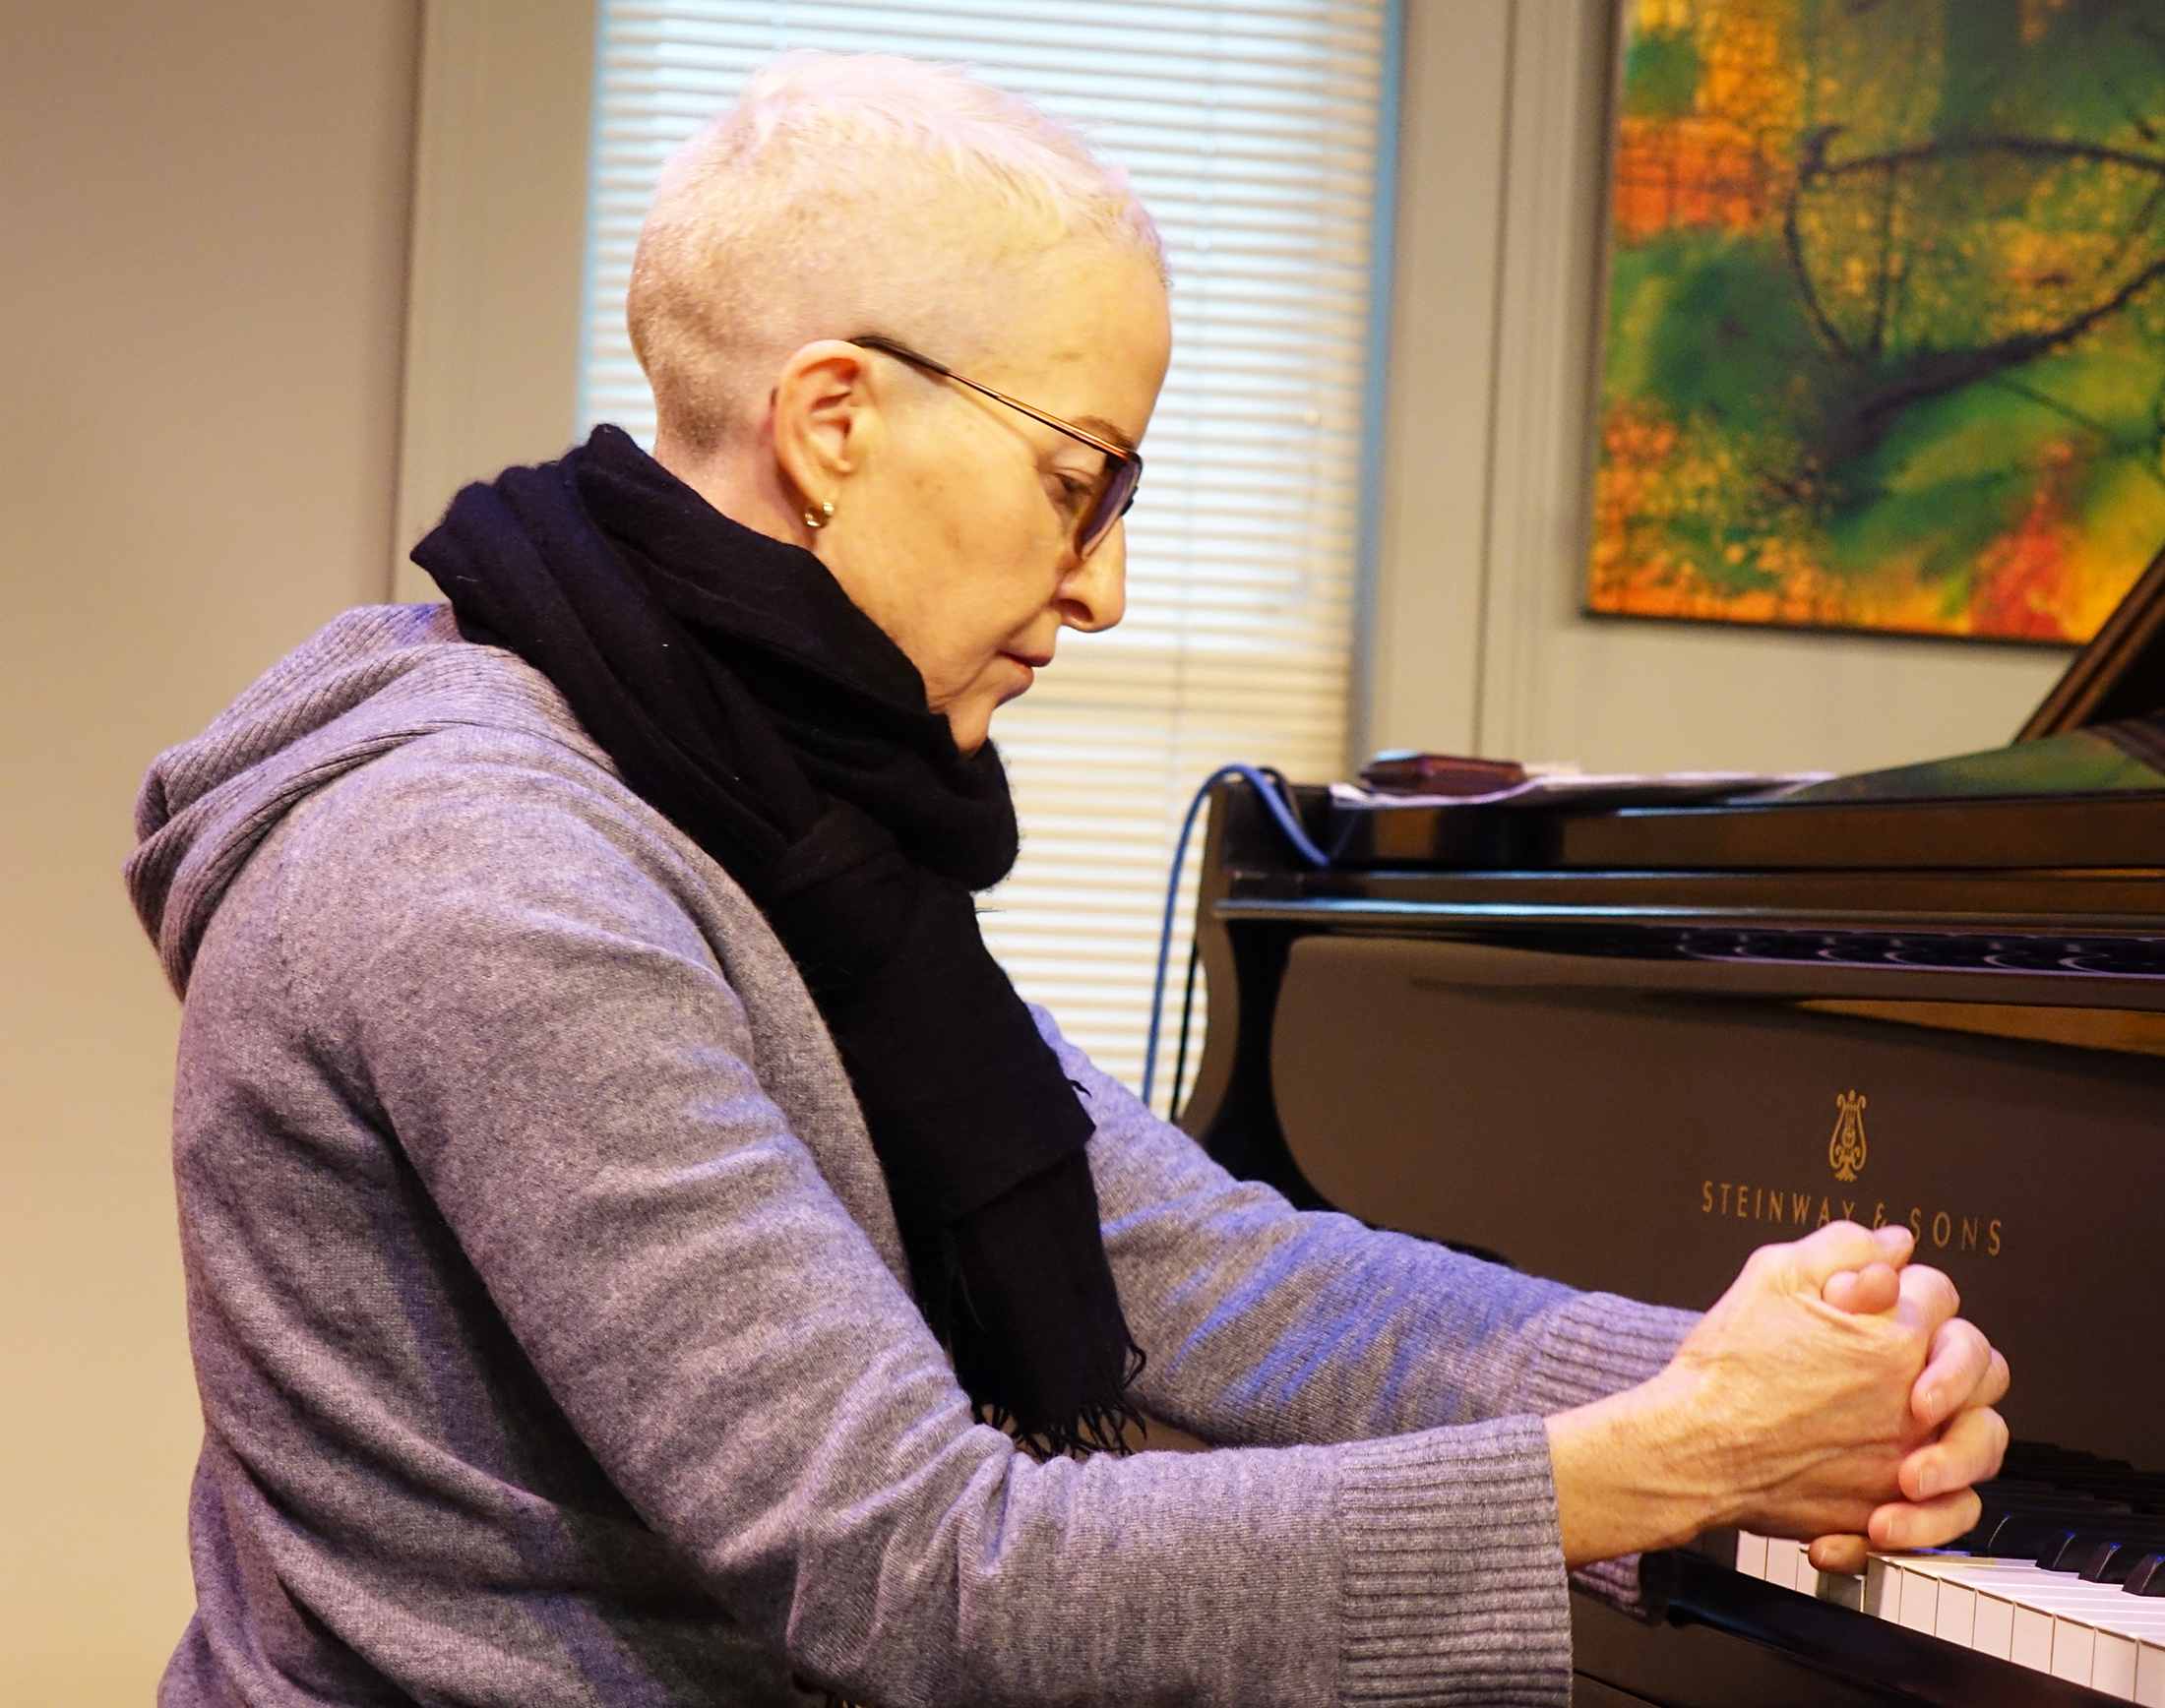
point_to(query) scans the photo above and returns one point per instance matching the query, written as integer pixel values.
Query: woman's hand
(1961, 1437)
(1786, 1413)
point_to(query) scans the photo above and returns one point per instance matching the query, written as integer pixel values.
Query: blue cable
(1269, 787)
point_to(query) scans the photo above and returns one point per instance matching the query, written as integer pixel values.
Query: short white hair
(846, 194)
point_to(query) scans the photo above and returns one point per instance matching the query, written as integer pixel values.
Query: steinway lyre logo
(1846, 1150)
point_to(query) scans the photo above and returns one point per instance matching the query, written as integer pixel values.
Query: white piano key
(1750, 1554)
(2117, 1636)
(2013, 1610)
(2107, 1604)
(1956, 1617)
(1992, 1628)
(2073, 1648)
(2143, 1625)
(1969, 1565)
(1842, 1589)
(2079, 1600)
(1920, 1609)
(1890, 1593)
(1782, 1556)
(2113, 1669)
(2032, 1645)
(2149, 1675)
(1954, 1583)
(1881, 1581)
(2056, 1624)
(1943, 1564)
(2116, 1668)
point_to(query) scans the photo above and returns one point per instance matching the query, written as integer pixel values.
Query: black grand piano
(1622, 1046)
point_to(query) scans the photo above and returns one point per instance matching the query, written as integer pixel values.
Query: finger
(1924, 1523)
(1819, 1257)
(1929, 1297)
(1840, 1554)
(1958, 1373)
(1968, 1451)
(1868, 1292)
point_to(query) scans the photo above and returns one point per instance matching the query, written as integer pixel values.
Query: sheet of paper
(1578, 789)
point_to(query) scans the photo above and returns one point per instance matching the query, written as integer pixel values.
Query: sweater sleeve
(1266, 1324)
(1263, 1323)
(515, 981)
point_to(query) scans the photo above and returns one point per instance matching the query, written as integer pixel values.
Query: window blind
(1252, 132)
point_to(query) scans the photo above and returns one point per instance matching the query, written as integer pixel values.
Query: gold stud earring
(819, 517)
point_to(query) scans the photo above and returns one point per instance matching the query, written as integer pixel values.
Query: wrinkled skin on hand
(1831, 1393)
(1955, 1435)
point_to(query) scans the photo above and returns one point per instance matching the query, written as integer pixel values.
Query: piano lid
(2100, 730)
(2082, 787)
(2124, 758)
(2120, 674)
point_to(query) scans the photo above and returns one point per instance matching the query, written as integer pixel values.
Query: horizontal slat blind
(1252, 132)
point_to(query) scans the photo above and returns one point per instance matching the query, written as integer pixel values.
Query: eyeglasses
(1117, 483)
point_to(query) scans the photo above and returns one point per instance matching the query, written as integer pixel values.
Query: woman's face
(955, 516)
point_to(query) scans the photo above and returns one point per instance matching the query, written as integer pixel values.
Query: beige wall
(202, 290)
(499, 250)
(202, 297)
(1480, 643)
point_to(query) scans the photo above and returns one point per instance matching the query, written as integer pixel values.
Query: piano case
(1622, 1047)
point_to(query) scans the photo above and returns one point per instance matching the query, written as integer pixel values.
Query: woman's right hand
(1790, 1414)
(1950, 1403)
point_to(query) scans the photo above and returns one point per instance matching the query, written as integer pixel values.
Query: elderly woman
(640, 1248)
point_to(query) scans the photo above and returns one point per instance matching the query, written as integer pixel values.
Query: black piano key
(2045, 1496)
(2047, 1501)
(2046, 1457)
(2147, 1577)
(2144, 1493)
(2032, 1535)
(2112, 1561)
(2074, 1548)
(2015, 1533)
(2132, 1488)
(2062, 1549)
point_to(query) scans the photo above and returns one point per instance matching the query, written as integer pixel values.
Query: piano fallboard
(1627, 1076)
(2107, 831)
(1638, 1125)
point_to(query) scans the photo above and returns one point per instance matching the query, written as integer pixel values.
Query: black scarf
(744, 696)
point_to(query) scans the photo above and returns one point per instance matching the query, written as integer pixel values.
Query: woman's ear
(826, 420)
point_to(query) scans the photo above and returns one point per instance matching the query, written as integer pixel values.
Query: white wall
(202, 292)
(1480, 644)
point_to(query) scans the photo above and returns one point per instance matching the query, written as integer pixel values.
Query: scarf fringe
(1114, 1428)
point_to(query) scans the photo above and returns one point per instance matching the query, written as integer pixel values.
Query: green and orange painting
(1885, 337)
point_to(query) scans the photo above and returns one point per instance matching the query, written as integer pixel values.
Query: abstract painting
(1885, 317)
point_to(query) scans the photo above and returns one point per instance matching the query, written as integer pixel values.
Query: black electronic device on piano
(1623, 1046)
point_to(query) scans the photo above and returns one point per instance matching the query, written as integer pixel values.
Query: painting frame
(1800, 464)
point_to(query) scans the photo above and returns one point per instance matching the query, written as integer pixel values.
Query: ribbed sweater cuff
(1597, 1344)
(1453, 1570)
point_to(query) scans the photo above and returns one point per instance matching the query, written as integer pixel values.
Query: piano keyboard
(2052, 1622)
(2064, 1573)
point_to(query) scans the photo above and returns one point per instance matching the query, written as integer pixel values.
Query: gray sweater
(553, 1334)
